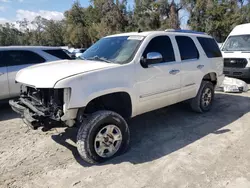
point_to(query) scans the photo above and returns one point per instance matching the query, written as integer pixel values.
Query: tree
(53, 33)
(216, 17)
(146, 15)
(76, 32)
(9, 35)
(82, 26)
(112, 17)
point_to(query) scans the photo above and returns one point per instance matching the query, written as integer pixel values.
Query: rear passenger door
(4, 87)
(190, 66)
(17, 60)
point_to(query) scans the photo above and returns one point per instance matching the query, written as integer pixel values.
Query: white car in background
(15, 58)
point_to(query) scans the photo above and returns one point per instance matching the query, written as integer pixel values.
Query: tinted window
(58, 53)
(210, 47)
(2, 62)
(162, 45)
(187, 48)
(20, 57)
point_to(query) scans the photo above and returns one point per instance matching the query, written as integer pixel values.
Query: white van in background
(236, 52)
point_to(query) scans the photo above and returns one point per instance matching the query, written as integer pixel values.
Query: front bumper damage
(43, 108)
(33, 117)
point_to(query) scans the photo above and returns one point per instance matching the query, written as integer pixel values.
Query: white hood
(46, 75)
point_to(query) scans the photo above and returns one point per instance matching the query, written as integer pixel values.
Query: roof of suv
(147, 33)
(28, 48)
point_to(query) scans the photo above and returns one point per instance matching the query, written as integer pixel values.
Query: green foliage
(83, 26)
(10, 35)
(217, 17)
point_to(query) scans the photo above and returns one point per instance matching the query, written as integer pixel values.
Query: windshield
(237, 43)
(113, 49)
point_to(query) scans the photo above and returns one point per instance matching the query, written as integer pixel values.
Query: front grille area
(235, 62)
(48, 101)
(45, 97)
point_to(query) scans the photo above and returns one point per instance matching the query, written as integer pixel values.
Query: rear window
(187, 48)
(210, 47)
(58, 53)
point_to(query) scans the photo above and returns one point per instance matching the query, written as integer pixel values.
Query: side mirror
(152, 58)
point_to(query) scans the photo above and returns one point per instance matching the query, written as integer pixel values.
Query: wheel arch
(119, 101)
(212, 77)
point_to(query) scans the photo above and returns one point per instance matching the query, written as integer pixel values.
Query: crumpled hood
(46, 75)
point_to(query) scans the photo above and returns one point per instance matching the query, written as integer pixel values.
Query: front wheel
(204, 98)
(103, 136)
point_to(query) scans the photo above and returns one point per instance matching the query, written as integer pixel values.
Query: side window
(2, 62)
(21, 57)
(162, 45)
(58, 53)
(210, 47)
(187, 48)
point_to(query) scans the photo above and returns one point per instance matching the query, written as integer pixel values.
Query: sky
(14, 10)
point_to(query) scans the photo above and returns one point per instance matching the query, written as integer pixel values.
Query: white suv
(13, 59)
(120, 76)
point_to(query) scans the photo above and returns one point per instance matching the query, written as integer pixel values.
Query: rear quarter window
(58, 53)
(210, 47)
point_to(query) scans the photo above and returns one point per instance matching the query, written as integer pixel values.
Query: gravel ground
(171, 147)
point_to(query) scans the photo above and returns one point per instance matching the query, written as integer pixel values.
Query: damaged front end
(41, 107)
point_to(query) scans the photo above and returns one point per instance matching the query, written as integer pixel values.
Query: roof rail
(185, 31)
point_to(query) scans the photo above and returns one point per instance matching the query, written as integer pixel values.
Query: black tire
(197, 104)
(90, 128)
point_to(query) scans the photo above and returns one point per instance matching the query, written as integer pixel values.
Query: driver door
(159, 84)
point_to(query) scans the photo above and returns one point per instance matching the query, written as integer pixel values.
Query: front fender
(87, 87)
(79, 100)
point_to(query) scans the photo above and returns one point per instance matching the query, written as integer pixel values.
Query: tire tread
(85, 129)
(195, 102)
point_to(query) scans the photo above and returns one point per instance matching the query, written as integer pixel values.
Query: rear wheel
(204, 98)
(103, 136)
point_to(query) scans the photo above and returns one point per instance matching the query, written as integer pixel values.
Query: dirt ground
(171, 147)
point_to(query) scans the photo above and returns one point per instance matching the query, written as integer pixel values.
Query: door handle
(200, 66)
(1, 73)
(174, 72)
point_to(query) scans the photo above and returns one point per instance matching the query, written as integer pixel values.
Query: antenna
(139, 30)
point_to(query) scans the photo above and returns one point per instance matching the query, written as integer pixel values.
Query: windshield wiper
(98, 59)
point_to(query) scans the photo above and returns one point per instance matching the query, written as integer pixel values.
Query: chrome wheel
(206, 97)
(108, 141)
